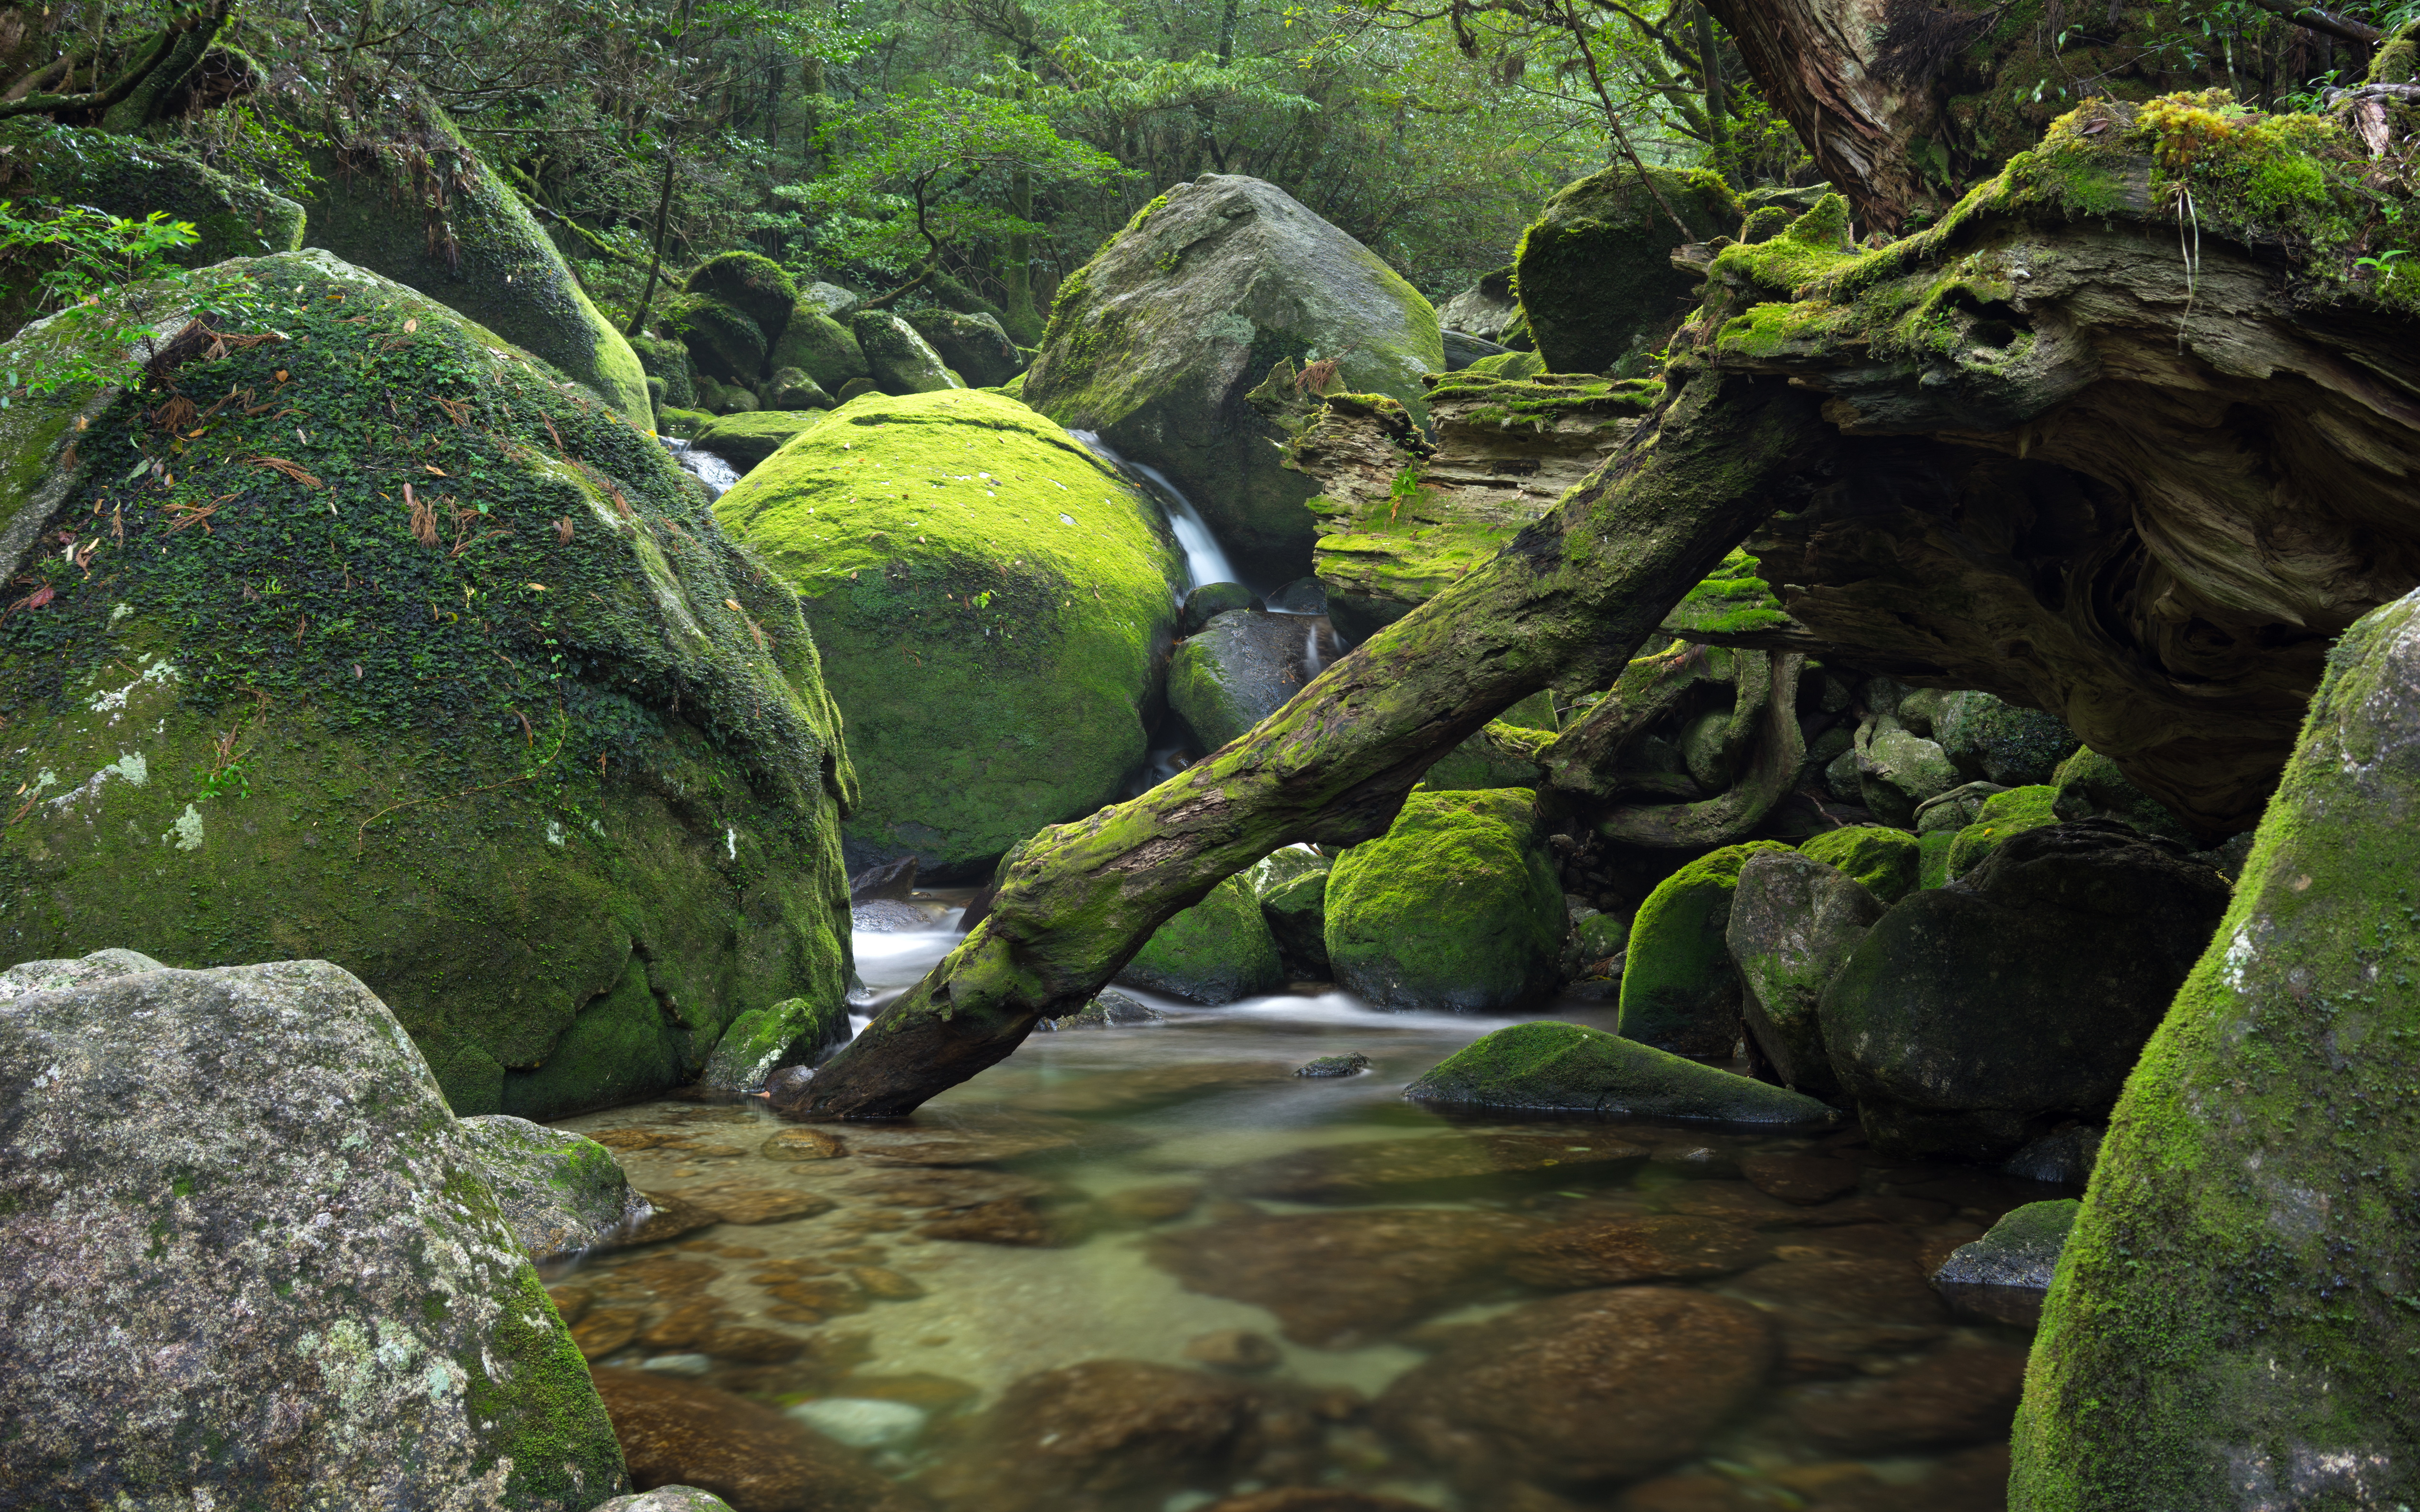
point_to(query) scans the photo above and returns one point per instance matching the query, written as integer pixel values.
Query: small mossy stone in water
(1793, 922)
(747, 439)
(1550, 1067)
(1999, 742)
(1455, 908)
(2063, 1157)
(180, 1131)
(1303, 595)
(750, 282)
(1344, 1065)
(2021, 1250)
(821, 348)
(1886, 862)
(793, 1032)
(1109, 1010)
(1297, 912)
(668, 1499)
(1679, 991)
(903, 361)
(1217, 951)
(989, 602)
(1210, 600)
(543, 902)
(2002, 815)
(562, 1195)
(2091, 786)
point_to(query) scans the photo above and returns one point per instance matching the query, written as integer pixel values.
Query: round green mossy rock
(563, 788)
(902, 360)
(747, 439)
(2000, 742)
(1595, 273)
(668, 360)
(991, 603)
(1553, 1068)
(1455, 908)
(2003, 814)
(820, 347)
(750, 282)
(725, 342)
(1217, 951)
(1887, 863)
(1679, 989)
(2091, 786)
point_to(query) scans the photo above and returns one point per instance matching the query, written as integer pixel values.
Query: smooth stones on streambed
(2006, 1274)
(1598, 1385)
(1335, 1280)
(680, 1432)
(1550, 1066)
(1100, 1434)
(1395, 1168)
(1619, 1251)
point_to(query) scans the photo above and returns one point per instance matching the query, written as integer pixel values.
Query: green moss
(1217, 951)
(1813, 245)
(990, 600)
(748, 438)
(1455, 908)
(2237, 1297)
(667, 361)
(1733, 600)
(793, 1032)
(1887, 863)
(2003, 814)
(1933, 857)
(1679, 989)
(724, 340)
(1594, 273)
(750, 283)
(530, 1391)
(1547, 1067)
(2091, 786)
(819, 347)
(485, 776)
(1509, 365)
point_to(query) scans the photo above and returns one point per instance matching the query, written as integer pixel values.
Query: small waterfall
(707, 467)
(1204, 560)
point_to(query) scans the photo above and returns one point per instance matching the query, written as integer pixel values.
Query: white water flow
(1204, 560)
(708, 469)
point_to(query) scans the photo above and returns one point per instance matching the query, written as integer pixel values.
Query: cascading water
(705, 467)
(1205, 561)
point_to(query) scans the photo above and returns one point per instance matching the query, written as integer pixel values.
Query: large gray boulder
(1976, 1016)
(1793, 922)
(252, 1261)
(1156, 342)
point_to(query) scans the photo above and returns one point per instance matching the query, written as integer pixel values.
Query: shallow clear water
(1117, 1194)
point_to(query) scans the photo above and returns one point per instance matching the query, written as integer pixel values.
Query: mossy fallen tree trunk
(1569, 602)
(2236, 1315)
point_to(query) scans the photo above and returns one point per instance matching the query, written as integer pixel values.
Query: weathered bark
(1573, 596)
(1768, 697)
(1818, 64)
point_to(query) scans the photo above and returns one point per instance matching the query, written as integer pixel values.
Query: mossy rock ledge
(1156, 342)
(1552, 1068)
(993, 607)
(562, 784)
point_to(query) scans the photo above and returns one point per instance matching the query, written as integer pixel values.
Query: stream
(1171, 1194)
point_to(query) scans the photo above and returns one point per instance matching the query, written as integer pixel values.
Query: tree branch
(103, 99)
(2312, 18)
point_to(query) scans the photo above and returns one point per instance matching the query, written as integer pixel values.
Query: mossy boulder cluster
(993, 607)
(381, 643)
(250, 1171)
(1156, 343)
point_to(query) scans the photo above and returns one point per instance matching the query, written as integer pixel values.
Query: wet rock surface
(1386, 1168)
(1610, 1252)
(561, 1193)
(679, 1432)
(1090, 1435)
(1593, 1386)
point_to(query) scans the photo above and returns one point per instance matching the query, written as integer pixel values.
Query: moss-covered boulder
(1237, 671)
(402, 193)
(431, 667)
(2235, 1299)
(790, 389)
(971, 345)
(1156, 340)
(561, 1193)
(1886, 862)
(1297, 912)
(251, 1174)
(820, 347)
(750, 282)
(991, 604)
(1595, 273)
(1679, 991)
(1217, 951)
(1793, 922)
(2088, 785)
(668, 361)
(1553, 1068)
(2002, 814)
(1455, 908)
(902, 362)
(1977, 1015)
(746, 439)
(724, 341)
(797, 1031)
(1999, 742)
(1899, 769)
